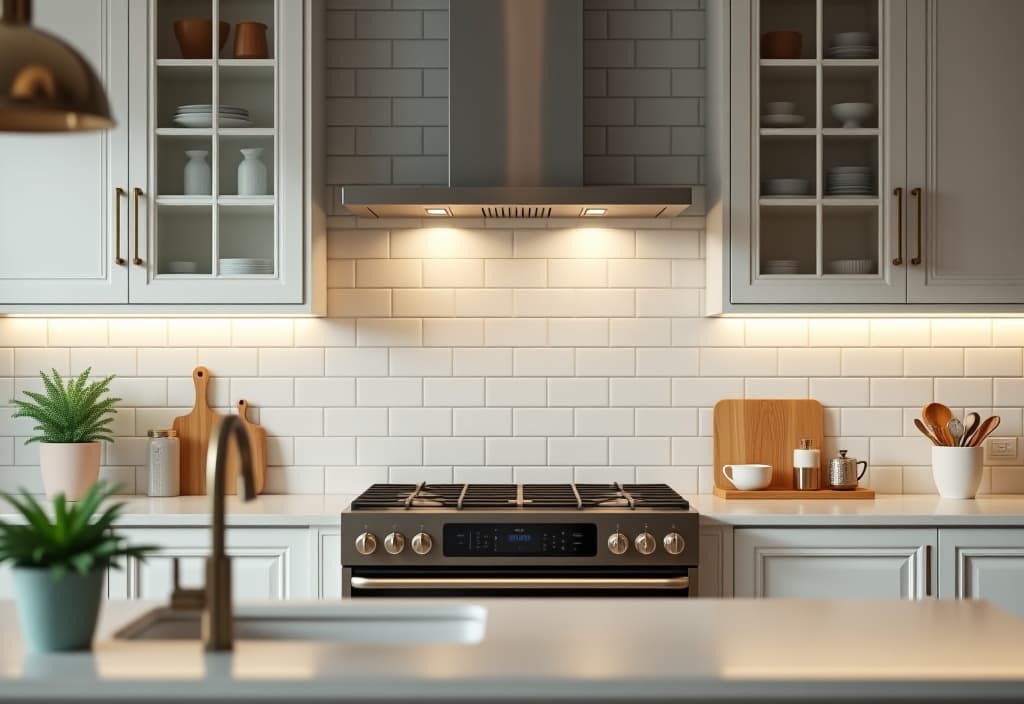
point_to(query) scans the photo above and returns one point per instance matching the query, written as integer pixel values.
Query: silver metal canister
(163, 462)
(806, 467)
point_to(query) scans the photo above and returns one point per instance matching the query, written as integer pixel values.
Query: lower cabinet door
(330, 564)
(980, 563)
(266, 563)
(840, 563)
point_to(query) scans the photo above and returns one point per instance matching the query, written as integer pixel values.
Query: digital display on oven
(520, 539)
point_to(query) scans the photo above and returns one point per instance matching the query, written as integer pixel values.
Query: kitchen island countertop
(582, 650)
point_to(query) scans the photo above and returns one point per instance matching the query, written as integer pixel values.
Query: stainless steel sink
(340, 623)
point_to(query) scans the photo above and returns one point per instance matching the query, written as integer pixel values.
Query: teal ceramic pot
(57, 615)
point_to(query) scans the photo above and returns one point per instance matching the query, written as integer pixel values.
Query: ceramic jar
(252, 173)
(251, 40)
(198, 177)
(164, 463)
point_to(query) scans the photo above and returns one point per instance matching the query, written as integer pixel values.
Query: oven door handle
(370, 583)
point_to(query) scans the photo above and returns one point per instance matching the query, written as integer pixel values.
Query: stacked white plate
(781, 266)
(781, 113)
(246, 265)
(852, 45)
(785, 187)
(849, 181)
(850, 266)
(201, 115)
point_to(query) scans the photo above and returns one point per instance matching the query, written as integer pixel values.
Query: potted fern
(59, 564)
(72, 417)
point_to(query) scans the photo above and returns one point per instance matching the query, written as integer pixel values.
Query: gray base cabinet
(821, 563)
(977, 563)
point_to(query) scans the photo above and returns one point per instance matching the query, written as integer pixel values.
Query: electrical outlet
(1001, 448)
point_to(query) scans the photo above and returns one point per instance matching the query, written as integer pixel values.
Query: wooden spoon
(984, 430)
(926, 431)
(971, 421)
(938, 415)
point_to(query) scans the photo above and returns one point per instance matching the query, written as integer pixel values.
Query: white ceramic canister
(957, 471)
(198, 178)
(164, 463)
(252, 173)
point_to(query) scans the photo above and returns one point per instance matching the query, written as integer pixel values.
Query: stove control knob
(422, 543)
(366, 543)
(394, 543)
(674, 543)
(645, 543)
(618, 544)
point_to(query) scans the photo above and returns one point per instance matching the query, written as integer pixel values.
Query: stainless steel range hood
(515, 125)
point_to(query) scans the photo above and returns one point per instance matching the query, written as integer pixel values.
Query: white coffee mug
(748, 477)
(957, 471)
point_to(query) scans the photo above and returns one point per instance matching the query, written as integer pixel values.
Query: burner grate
(526, 496)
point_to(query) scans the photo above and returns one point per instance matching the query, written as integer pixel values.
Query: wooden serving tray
(860, 492)
(766, 431)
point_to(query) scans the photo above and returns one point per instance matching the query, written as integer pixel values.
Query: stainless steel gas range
(518, 540)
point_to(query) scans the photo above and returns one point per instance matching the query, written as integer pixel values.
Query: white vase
(198, 179)
(69, 468)
(252, 174)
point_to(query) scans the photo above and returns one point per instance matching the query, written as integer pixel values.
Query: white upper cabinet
(165, 190)
(965, 152)
(59, 207)
(822, 210)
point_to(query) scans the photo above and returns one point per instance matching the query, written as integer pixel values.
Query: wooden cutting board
(194, 436)
(258, 448)
(766, 432)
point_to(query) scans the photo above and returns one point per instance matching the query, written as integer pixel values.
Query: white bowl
(182, 267)
(852, 115)
(858, 39)
(785, 186)
(748, 477)
(780, 107)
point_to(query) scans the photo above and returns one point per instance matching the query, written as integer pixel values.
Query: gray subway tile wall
(529, 350)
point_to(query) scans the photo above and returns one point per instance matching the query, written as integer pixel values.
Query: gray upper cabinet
(933, 227)
(964, 150)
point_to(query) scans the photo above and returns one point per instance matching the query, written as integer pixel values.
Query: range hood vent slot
(516, 211)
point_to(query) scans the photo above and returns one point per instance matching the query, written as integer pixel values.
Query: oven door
(515, 582)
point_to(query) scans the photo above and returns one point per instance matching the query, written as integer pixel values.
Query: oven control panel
(515, 539)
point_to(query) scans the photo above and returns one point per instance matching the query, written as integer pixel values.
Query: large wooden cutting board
(258, 449)
(194, 431)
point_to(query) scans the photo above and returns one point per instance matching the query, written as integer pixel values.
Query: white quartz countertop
(325, 510)
(583, 650)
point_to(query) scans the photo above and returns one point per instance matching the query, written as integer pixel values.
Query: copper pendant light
(45, 85)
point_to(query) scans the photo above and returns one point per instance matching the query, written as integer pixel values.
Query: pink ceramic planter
(69, 468)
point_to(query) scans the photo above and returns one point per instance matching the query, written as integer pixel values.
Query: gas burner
(519, 496)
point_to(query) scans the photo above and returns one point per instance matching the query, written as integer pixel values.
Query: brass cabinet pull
(899, 227)
(916, 192)
(136, 194)
(118, 192)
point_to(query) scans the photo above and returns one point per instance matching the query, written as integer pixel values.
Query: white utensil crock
(957, 471)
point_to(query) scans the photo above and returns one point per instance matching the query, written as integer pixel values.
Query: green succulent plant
(71, 411)
(77, 539)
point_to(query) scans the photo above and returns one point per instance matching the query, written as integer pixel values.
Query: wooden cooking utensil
(926, 431)
(257, 448)
(939, 415)
(971, 421)
(194, 436)
(986, 428)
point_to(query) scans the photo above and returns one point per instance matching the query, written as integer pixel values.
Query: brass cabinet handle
(118, 259)
(136, 194)
(899, 227)
(916, 192)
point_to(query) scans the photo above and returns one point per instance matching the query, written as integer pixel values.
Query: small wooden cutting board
(194, 436)
(258, 448)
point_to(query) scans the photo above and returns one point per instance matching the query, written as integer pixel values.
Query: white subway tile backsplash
(515, 273)
(304, 361)
(389, 392)
(531, 332)
(483, 303)
(486, 422)
(841, 392)
(390, 451)
(872, 421)
(900, 332)
(543, 362)
(29, 332)
(516, 451)
(517, 392)
(577, 451)
(901, 392)
(325, 391)
(640, 392)
(666, 361)
(605, 362)
(352, 480)
(603, 422)
(776, 333)
(420, 422)
(964, 392)
(580, 332)
(76, 332)
(938, 361)
(441, 451)
(453, 392)
(427, 361)
(356, 421)
(961, 333)
(872, 362)
(456, 273)
(378, 332)
(439, 332)
(199, 332)
(997, 361)
(258, 332)
(542, 421)
(102, 361)
(577, 273)
(29, 361)
(582, 243)
(727, 361)
(577, 392)
(776, 387)
(258, 392)
(298, 422)
(325, 451)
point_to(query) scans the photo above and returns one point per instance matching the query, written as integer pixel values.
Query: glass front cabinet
(217, 168)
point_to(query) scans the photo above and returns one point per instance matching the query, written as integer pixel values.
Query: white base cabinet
(978, 563)
(822, 563)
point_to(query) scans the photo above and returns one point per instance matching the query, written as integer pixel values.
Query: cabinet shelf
(850, 131)
(850, 201)
(788, 63)
(245, 201)
(788, 131)
(246, 63)
(184, 201)
(788, 201)
(184, 63)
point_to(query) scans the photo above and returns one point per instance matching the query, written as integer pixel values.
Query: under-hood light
(594, 212)
(438, 212)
